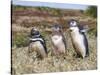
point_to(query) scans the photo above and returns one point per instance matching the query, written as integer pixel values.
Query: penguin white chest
(58, 44)
(38, 47)
(78, 41)
(37, 44)
(57, 39)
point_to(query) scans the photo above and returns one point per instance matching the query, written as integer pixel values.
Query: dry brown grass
(23, 63)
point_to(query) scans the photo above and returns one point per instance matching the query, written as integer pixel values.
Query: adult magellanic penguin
(37, 44)
(58, 40)
(79, 39)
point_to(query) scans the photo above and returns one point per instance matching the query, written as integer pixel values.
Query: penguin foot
(76, 55)
(87, 55)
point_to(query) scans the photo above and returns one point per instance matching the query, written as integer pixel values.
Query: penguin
(37, 44)
(58, 40)
(79, 39)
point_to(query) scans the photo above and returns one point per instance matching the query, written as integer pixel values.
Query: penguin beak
(70, 29)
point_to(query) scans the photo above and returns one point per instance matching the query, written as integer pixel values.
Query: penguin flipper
(64, 41)
(86, 45)
(44, 44)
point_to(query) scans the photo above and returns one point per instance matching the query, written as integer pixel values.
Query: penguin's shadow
(76, 56)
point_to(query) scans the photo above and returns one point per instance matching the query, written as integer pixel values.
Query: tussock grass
(23, 63)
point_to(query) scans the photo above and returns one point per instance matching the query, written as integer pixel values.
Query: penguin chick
(58, 40)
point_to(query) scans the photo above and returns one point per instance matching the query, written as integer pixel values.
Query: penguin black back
(86, 44)
(83, 31)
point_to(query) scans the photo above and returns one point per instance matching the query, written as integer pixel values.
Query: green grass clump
(20, 40)
(91, 11)
(92, 32)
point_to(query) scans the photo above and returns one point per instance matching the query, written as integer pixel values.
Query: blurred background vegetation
(24, 17)
(91, 11)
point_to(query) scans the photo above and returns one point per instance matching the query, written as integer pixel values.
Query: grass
(20, 40)
(23, 63)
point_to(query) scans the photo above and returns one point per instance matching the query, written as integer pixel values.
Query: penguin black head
(34, 32)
